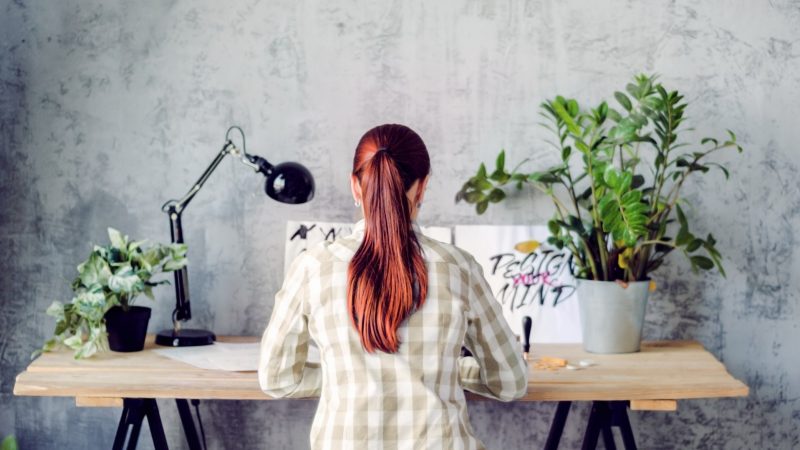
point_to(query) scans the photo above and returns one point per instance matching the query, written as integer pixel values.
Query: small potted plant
(101, 315)
(617, 201)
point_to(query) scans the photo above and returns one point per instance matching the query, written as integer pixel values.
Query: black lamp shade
(290, 182)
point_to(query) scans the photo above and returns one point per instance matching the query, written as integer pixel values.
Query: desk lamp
(287, 182)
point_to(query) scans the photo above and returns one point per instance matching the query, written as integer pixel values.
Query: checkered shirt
(411, 399)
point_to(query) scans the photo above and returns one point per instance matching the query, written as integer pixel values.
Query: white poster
(302, 235)
(528, 277)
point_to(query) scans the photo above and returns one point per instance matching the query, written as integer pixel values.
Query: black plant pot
(127, 329)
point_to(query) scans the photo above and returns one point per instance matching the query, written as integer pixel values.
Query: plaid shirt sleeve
(497, 369)
(283, 369)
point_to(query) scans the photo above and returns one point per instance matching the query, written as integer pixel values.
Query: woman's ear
(355, 187)
(421, 188)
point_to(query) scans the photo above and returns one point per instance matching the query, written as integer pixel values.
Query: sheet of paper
(241, 357)
(528, 277)
(233, 357)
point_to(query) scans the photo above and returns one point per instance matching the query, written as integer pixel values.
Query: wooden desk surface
(666, 370)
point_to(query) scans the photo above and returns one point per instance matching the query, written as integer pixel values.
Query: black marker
(526, 336)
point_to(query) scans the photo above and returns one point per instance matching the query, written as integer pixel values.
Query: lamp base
(185, 337)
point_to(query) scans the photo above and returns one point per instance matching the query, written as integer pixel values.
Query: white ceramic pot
(612, 316)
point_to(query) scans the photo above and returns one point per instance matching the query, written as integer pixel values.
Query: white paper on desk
(233, 357)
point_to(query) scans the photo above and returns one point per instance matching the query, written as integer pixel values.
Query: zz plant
(112, 275)
(617, 188)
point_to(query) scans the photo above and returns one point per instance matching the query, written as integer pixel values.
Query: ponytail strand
(387, 277)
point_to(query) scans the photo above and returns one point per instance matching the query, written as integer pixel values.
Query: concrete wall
(108, 108)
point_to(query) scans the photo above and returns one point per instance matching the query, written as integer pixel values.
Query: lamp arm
(179, 205)
(174, 209)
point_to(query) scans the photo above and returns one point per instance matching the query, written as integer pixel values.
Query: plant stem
(571, 190)
(601, 242)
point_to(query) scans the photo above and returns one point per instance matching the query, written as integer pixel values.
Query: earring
(419, 205)
(358, 203)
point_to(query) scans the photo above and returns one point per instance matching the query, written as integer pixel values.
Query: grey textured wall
(108, 108)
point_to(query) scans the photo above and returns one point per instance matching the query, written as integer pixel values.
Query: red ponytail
(386, 267)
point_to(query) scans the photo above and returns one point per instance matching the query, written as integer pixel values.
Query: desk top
(663, 370)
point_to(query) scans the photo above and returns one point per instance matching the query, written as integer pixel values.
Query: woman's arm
(496, 368)
(283, 370)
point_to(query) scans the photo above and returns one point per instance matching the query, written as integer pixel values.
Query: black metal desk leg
(557, 427)
(598, 419)
(156, 427)
(188, 424)
(134, 411)
(620, 419)
(131, 414)
(608, 437)
(604, 416)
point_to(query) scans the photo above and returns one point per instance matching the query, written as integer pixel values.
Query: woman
(389, 310)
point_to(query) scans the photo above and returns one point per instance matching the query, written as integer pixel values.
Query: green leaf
(473, 196)
(572, 107)
(554, 227)
(702, 262)
(9, 443)
(621, 211)
(173, 265)
(681, 216)
(720, 167)
(694, 245)
(56, 309)
(683, 237)
(602, 112)
(125, 280)
(90, 305)
(496, 195)
(611, 176)
(623, 100)
(704, 141)
(483, 184)
(499, 176)
(116, 238)
(543, 177)
(74, 342)
(481, 206)
(565, 116)
(501, 161)
(482, 171)
(135, 245)
(638, 120)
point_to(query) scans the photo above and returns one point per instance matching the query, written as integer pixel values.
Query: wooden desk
(655, 378)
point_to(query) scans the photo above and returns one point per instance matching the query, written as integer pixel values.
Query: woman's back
(412, 398)
(389, 310)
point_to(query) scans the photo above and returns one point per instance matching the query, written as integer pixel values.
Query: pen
(526, 336)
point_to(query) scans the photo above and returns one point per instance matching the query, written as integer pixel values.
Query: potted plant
(101, 315)
(617, 201)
